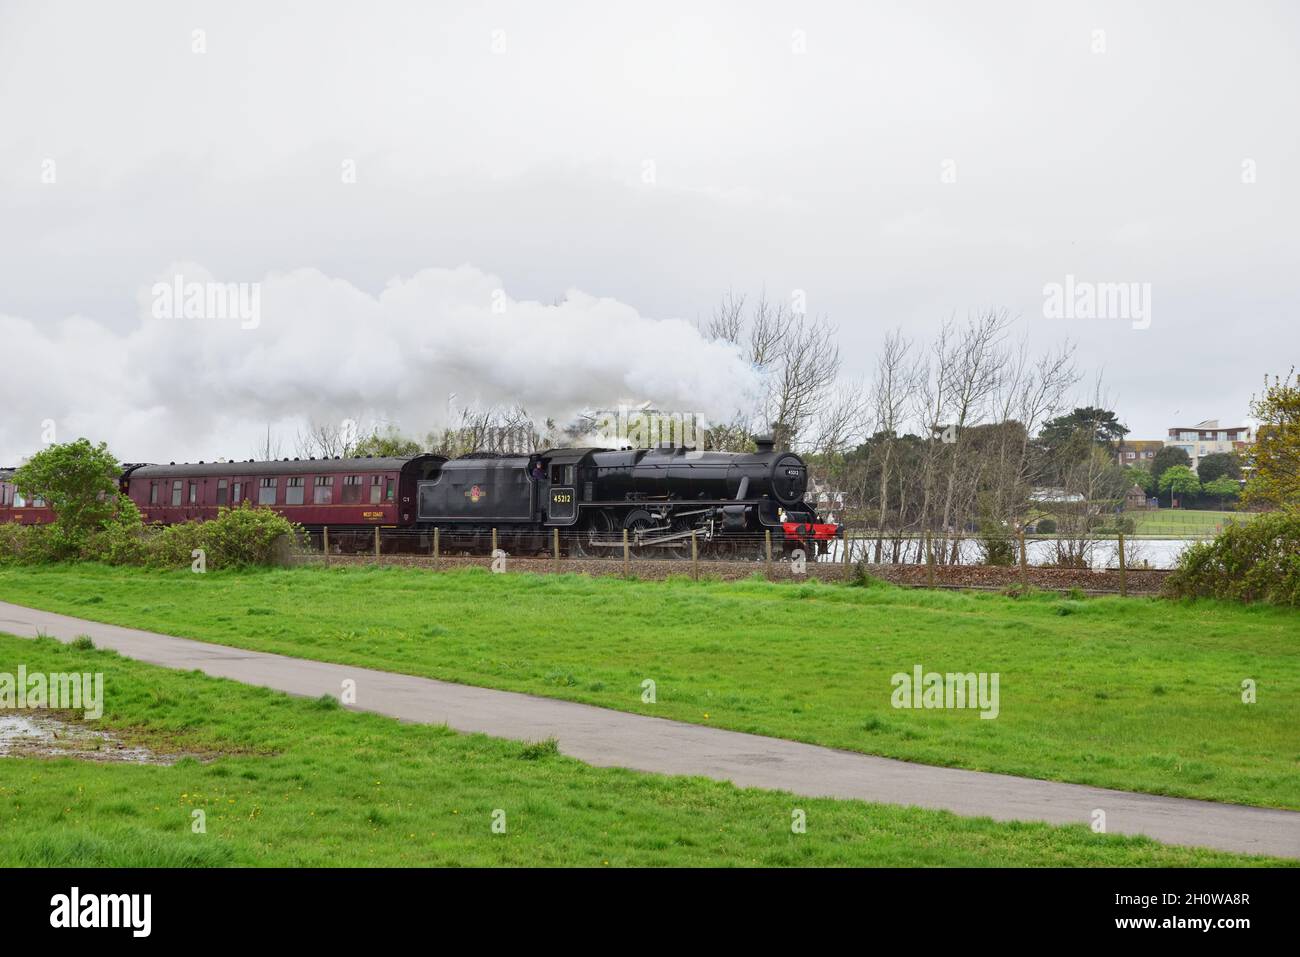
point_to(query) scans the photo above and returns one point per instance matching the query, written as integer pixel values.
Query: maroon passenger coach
(312, 492)
(15, 508)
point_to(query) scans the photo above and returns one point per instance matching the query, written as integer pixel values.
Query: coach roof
(282, 467)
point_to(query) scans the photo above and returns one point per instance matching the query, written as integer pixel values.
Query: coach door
(562, 507)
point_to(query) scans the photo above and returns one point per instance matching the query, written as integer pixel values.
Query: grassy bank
(288, 781)
(1137, 694)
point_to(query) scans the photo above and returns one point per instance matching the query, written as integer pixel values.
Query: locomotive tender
(660, 496)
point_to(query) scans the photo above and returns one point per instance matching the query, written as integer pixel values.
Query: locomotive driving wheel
(599, 527)
(652, 527)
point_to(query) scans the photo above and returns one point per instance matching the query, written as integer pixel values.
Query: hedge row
(237, 537)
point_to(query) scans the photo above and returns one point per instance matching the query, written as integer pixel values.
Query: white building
(1208, 437)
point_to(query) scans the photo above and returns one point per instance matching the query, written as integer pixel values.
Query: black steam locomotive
(662, 497)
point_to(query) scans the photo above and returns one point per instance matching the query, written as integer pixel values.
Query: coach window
(266, 494)
(153, 493)
(237, 493)
(388, 495)
(352, 489)
(294, 494)
(222, 488)
(324, 490)
(376, 489)
(194, 493)
(176, 493)
(20, 501)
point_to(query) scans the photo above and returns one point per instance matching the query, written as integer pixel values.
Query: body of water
(1154, 552)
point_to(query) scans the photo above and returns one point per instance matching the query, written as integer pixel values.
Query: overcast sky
(536, 200)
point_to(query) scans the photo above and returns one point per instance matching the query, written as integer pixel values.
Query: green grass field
(1180, 523)
(289, 781)
(1138, 694)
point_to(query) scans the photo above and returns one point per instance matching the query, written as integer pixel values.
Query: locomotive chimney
(765, 443)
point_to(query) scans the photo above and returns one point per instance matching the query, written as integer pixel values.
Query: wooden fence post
(326, 544)
(1123, 572)
(627, 557)
(376, 543)
(555, 549)
(494, 543)
(695, 556)
(929, 560)
(1024, 560)
(848, 556)
(767, 537)
(437, 547)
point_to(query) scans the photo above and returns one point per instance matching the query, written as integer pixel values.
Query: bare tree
(728, 320)
(893, 391)
(328, 440)
(803, 373)
(973, 368)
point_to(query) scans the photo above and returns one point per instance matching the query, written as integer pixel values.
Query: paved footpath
(615, 739)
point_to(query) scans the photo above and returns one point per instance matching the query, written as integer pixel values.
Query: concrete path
(614, 739)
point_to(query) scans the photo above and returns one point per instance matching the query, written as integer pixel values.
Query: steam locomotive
(662, 497)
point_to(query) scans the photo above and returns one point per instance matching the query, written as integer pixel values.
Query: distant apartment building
(1208, 437)
(1137, 451)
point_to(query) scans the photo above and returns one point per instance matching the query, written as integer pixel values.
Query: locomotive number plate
(564, 504)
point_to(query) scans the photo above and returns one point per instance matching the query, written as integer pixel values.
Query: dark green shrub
(1047, 526)
(236, 537)
(28, 544)
(863, 578)
(1255, 561)
(995, 544)
(173, 546)
(246, 536)
(121, 540)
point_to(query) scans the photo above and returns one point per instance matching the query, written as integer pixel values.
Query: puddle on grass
(44, 736)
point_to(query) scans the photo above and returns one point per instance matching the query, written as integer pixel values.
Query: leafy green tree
(1168, 456)
(388, 444)
(1221, 488)
(78, 481)
(1100, 425)
(1275, 457)
(1179, 479)
(1218, 465)
(1140, 477)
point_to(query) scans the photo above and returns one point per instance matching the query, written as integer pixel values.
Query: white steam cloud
(322, 350)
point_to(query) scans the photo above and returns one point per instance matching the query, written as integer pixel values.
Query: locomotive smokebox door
(564, 504)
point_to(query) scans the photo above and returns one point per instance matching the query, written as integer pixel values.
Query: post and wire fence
(937, 559)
